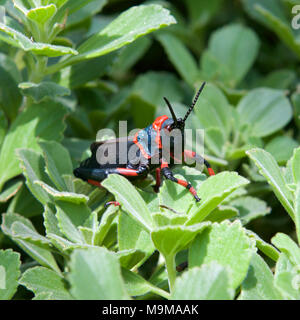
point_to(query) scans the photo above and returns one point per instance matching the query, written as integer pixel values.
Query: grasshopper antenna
(171, 110)
(194, 102)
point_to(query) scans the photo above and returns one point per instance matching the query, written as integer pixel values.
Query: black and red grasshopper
(148, 153)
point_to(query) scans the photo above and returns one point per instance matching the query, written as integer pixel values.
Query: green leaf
(288, 284)
(9, 273)
(180, 57)
(85, 71)
(171, 239)
(41, 255)
(265, 110)
(285, 244)
(105, 224)
(33, 166)
(233, 252)
(215, 140)
(201, 13)
(95, 275)
(274, 6)
(263, 246)
(296, 104)
(43, 121)
(10, 98)
(270, 170)
(209, 282)
(51, 222)
(130, 258)
(25, 204)
(58, 162)
(259, 283)
(130, 199)
(42, 15)
(43, 90)
(41, 280)
(281, 148)
(153, 86)
(212, 192)
(235, 48)
(131, 235)
(12, 188)
(250, 208)
(282, 29)
(17, 39)
(137, 286)
(80, 11)
(222, 213)
(70, 216)
(297, 212)
(130, 25)
(3, 125)
(213, 110)
(21, 231)
(278, 79)
(130, 55)
(177, 197)
(296, 165)
(58, 3)
(164, 219)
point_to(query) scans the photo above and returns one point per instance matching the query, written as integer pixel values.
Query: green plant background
(69, 68)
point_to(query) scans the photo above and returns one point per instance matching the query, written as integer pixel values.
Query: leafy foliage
(70, 68)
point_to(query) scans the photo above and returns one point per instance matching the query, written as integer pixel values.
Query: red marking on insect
(211, 171)
(94, 183)
(127, 172)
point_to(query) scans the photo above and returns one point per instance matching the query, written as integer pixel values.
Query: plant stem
(39, 73)
(160, 292)
(171, 270)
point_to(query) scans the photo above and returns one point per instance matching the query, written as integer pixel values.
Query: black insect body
(152, 148)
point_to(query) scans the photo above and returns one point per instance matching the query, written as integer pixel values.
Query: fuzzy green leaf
(131, 235)
(41, 255)
(172, 239)
(41, 15)
(42, 280)
(235, 48)
(43, 91)
(250, 208)
(268, 167)
(43, 121)
(33, 166)
(296, 165)
(10, 76)
(130, 25)
(265, 110)
(281, 148)
(285, 244)
(259, 283)
(209, 282)
(9, 273)
(17, 39)
(58, 162)
(130, 199)
(181, 58)
(95, 274)
(137, 285)
(11, 190)
(70, 216)
(212, 192)
(226, 243)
